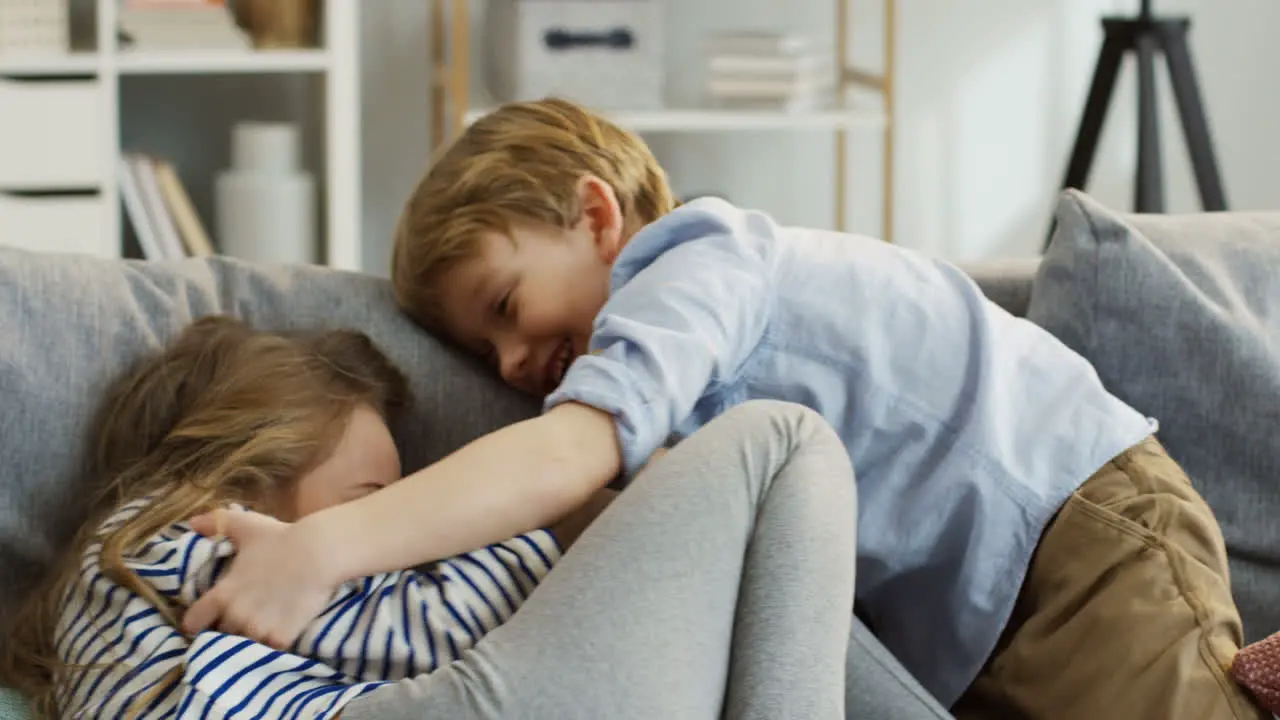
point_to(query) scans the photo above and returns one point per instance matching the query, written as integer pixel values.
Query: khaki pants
(1126, 611)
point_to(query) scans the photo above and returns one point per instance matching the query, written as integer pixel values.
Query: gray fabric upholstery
(12, 705)
(70, 324)
(1181, 318)
(1007, 283)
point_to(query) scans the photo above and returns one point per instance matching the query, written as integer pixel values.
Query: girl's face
(365, 459)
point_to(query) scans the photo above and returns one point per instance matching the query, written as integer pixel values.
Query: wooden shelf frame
(452, 108)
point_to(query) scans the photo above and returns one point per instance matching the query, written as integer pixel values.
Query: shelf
(49, 65)
(75, 189)
(711, 119)
(241, 62)
(128, 62)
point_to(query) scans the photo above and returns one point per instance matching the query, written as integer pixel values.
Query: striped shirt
(378, 629)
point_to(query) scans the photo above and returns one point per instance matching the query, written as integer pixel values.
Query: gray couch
(1181, 316)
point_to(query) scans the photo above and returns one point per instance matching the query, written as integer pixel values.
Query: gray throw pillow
(70, 324)
(1180, 314)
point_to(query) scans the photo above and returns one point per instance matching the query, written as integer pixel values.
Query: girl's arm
(380, 628)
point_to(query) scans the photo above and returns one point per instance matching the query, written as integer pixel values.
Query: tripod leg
(1095, 111)
(1148, 194)
(1191, 110)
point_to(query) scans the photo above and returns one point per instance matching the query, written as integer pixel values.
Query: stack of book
(766, 70)
(159, 209)
(180, 25)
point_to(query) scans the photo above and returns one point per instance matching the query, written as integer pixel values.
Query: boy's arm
(567, 530)
(521, 477)
(682, 327)
(683, 324)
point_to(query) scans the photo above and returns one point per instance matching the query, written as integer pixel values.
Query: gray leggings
(719, 584)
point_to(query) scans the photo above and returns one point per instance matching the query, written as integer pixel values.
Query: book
(758, 42)
(765, 87)
(768, 70)
(194, 236)
(804, 102)
(139, 218)
(181, 25)
(163, 218)
(763, 66)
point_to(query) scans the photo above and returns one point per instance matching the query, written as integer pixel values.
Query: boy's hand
(277, 583)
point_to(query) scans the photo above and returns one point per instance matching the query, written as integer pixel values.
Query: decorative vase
(278, 23)
(265, 202)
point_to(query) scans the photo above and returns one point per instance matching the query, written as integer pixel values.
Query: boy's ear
(601, 215)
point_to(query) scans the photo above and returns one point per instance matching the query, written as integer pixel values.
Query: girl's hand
(276, 584)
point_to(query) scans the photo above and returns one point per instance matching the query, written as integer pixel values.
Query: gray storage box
(605, 54)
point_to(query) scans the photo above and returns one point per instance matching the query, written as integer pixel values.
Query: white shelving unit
(94, 77)
(453, 106)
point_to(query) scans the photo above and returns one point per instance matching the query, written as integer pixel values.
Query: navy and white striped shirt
(379, 629)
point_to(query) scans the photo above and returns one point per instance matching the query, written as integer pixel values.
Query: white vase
(265, 202)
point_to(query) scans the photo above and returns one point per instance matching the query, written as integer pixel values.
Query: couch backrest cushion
(1180, 314)
(1006, 283)
(70, 324)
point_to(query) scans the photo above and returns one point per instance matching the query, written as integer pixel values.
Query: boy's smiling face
(526, 302)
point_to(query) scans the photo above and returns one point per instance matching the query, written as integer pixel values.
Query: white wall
(990, 97)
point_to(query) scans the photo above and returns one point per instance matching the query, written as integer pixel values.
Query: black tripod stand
(1145, 36)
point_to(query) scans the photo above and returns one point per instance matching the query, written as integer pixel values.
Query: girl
(753, 557)
(283, 425)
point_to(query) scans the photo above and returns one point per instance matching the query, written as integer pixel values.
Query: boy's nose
(514, 362)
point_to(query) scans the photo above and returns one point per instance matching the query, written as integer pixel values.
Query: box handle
(562, 39)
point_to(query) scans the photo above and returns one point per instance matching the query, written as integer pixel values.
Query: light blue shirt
(967, 428)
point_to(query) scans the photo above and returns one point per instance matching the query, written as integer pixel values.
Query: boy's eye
(365, 489)
(504, 304)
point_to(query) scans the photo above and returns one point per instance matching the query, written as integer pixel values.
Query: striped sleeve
(381, 628)
(180, 563)
(397, 625)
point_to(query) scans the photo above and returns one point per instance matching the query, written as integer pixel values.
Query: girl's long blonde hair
(224, 414)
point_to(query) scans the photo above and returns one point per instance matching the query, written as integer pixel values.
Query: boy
(1025, 545)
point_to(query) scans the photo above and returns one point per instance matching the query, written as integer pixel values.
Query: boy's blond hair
(519, 164)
